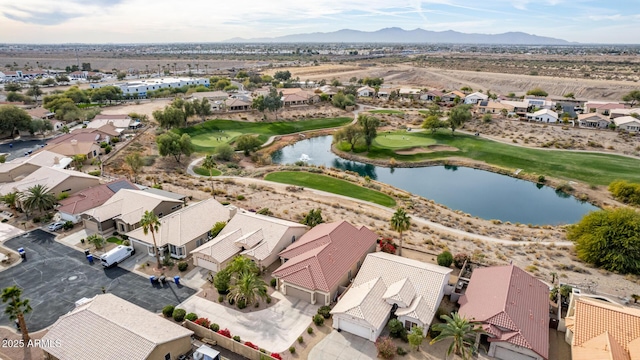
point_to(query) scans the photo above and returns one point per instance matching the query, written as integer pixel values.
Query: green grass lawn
(391, 112)
(204, 172)
(591, 168)
(115, 240)
(332, 185)
(206, 136)
(402, 140)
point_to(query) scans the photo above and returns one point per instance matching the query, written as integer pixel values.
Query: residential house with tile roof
(432, 95)
(325, 258)
(54, 179)
(544, 116)
(18, 168)
(597, 329)
(120, 121)
(388, 284)
(366, 91)
(627, 123)
(513, 308)
(87, 144)
(602, 107)
(451, 96)
(71, 208)
(593, 121)
(258, 237)
(184, 230)
(124, 210)
(108, 327)
(475, 98)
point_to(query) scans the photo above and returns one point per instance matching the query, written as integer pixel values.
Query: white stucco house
(366, 91)
(475, 98)
(389, 285)
(628, 123)
(544, 115)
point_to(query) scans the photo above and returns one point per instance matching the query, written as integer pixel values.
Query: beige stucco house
(17, 169)
(54, 179)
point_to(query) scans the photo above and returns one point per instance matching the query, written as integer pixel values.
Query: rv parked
(116, 255)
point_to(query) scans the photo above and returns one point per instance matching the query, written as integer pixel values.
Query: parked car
(56, 226)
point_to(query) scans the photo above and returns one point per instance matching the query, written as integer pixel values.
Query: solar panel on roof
(119, 185)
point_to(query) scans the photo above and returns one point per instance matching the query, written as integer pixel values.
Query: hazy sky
(118, 21)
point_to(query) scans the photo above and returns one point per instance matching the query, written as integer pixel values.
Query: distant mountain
(398, 35)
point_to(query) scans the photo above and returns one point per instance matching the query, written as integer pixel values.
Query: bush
(396, 329)
(225, 332)
(215, 327)
(309, 330)
(242, 303)
(628, 193)
(325, 311)
(126, 243)
(268, 300)
(276, 356)
(387, 246)
(183, 265)
(541, 179)
(204, 322)
(445, 259)
(459, 259)
(401, 351)
(191, 317)
(68, 225)
(300, 339)
(251, 345)
(292, 349)
(274, 282)
(178, 314)
(107, 149)
(386, 348)
(318, 320)
(167, 311)
(220, 298)
(236, 338)
(240, 197)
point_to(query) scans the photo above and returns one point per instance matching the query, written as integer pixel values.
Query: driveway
(55, 276)
(275, 328)
(8, 231)
(343, 346)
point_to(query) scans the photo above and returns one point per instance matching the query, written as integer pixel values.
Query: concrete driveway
(275, 328)
(8, 231)
(343, 346)
(55, 276)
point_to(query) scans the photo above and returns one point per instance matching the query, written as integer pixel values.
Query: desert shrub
(445, 259)
(237, 338)
(268, 300)
(67, 225)
(225, 332)
(325, 311)
(274, 282)
(541, 179)
(401, 351)
(292, 349)
(251, 345)
(459, 259)
(309, 330)
(627, 192)
(300, 339)
(191, 317)
(396, 329)
(318, 320)
(220, 298)
(179, 314)
(126, 243)
(242, 303)
(265, 211)
(387, 246)
(182, 265)
(215, 327)
(240, 197)
(204, 322)
(167, 311)
(386, 348)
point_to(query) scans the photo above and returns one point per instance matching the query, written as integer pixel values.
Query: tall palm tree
(209, 163)
(38, 197)
(248, 287)
(151, 223)
(159, 70)
(400, 222)
(16, 308)
(461, 331)
(197, 68)
(242, 265)
(11, 199)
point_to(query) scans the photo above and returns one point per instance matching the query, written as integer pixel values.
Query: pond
(18, 148)
(477, 192)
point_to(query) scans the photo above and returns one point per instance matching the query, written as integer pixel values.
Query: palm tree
(242, 265)
(97, 241)
(150, 223)
(400, 222)
(159, 70)
(135, 163)
(248, 287)
(78, 159)
(461, 331)
(38, 197)
(16, 308)
(209, 164)
(11, 199)
(206, 68)
(197, 68)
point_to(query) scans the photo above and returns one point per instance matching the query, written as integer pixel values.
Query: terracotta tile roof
(133, 332)
(91, 197)
(598, 325)
(510, 298)
(326, 252)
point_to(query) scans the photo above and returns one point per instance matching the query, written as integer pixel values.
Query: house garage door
(506, 354)
(355, 329)
(298, 294)
(210, 265)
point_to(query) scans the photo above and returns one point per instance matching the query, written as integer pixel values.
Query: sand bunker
(428, 149)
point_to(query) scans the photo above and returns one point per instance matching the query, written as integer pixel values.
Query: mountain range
(398, 35)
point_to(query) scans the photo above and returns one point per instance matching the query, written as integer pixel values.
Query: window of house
(293, 238)
(121, 227)
(198, 242)
(160, 215)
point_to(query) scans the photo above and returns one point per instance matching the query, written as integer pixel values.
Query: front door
(408, 325)
(151, 252)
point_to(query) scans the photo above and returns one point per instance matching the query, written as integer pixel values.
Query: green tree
(13, 119)
(11, 200)
(16, 308)
(433, 123)
(173, 144)
(537, 92)
(341, 100)
(400, 222)
(202, 108)
(78, 160)
(369, 126)
(48, 81)
(350, 134)
(273, 102)
(106, 93)
(609, 239)
(38, 198)
(13, 87)
(62, 78)
(135, 163)
(282, 75)
(248, 287)
(209, 163)
(458, 116)
(121, 75)
(416, 336)
(632, 97)
(313, 218)
(243, 265)
(445, 259)
(34, 89)
(224, 152)
(461, 331)
(217, 227)
(258, 104)
(569, 95)
(222, 281)
(170, 117)
(40, 126)
(151, 224)
(96, 240)
(247, 143)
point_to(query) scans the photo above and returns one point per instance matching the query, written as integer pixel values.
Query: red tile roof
(511, 299)
(322, 256)
(91, 197)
